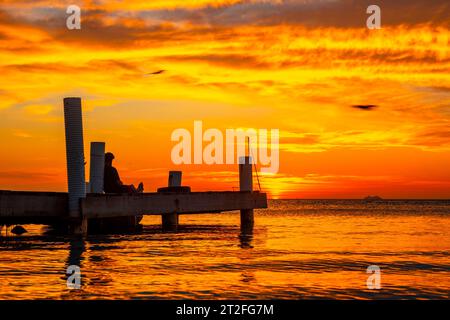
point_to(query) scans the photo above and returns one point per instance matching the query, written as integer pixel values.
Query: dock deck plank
(102, 206)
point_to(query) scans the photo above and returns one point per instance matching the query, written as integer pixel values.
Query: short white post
(97, 167)
(246, 184)
(75, 161)
(175, 178)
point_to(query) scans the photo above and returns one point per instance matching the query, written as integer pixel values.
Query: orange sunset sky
(297, 66)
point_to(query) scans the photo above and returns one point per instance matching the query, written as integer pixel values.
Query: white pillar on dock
(245, 174)
(170, 220)
(74, 154)
(97, 167)
(246, 184)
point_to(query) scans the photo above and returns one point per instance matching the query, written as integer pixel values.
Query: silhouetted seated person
(112, 182)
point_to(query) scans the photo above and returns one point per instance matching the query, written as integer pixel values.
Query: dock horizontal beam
(20, 207)
(103, 206)
(32, 207)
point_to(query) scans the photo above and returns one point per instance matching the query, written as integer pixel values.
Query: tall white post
(74, 154)
(97, 167)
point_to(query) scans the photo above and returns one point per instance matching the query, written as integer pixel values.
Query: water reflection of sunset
(300, 249)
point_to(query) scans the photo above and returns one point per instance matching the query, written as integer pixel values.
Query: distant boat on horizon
(373, 198)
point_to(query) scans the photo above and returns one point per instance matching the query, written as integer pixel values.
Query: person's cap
(109, 156)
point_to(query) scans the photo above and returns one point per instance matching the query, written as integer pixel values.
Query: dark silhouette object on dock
(367, 107)
(174, 184)
(112, 182)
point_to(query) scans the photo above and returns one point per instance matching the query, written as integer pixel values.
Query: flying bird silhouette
(367, 107)
(155, 73)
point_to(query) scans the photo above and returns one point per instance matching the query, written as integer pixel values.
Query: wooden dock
(24, 207)
(76, 208)
(20, 207)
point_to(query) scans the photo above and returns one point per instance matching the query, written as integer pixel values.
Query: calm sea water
(300, 249)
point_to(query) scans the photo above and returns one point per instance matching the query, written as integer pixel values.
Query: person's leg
(128, 189)
(132, 189)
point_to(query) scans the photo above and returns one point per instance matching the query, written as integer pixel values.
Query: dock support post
(75, 164)
(246, 184)
(78, 226)
(170, 220)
